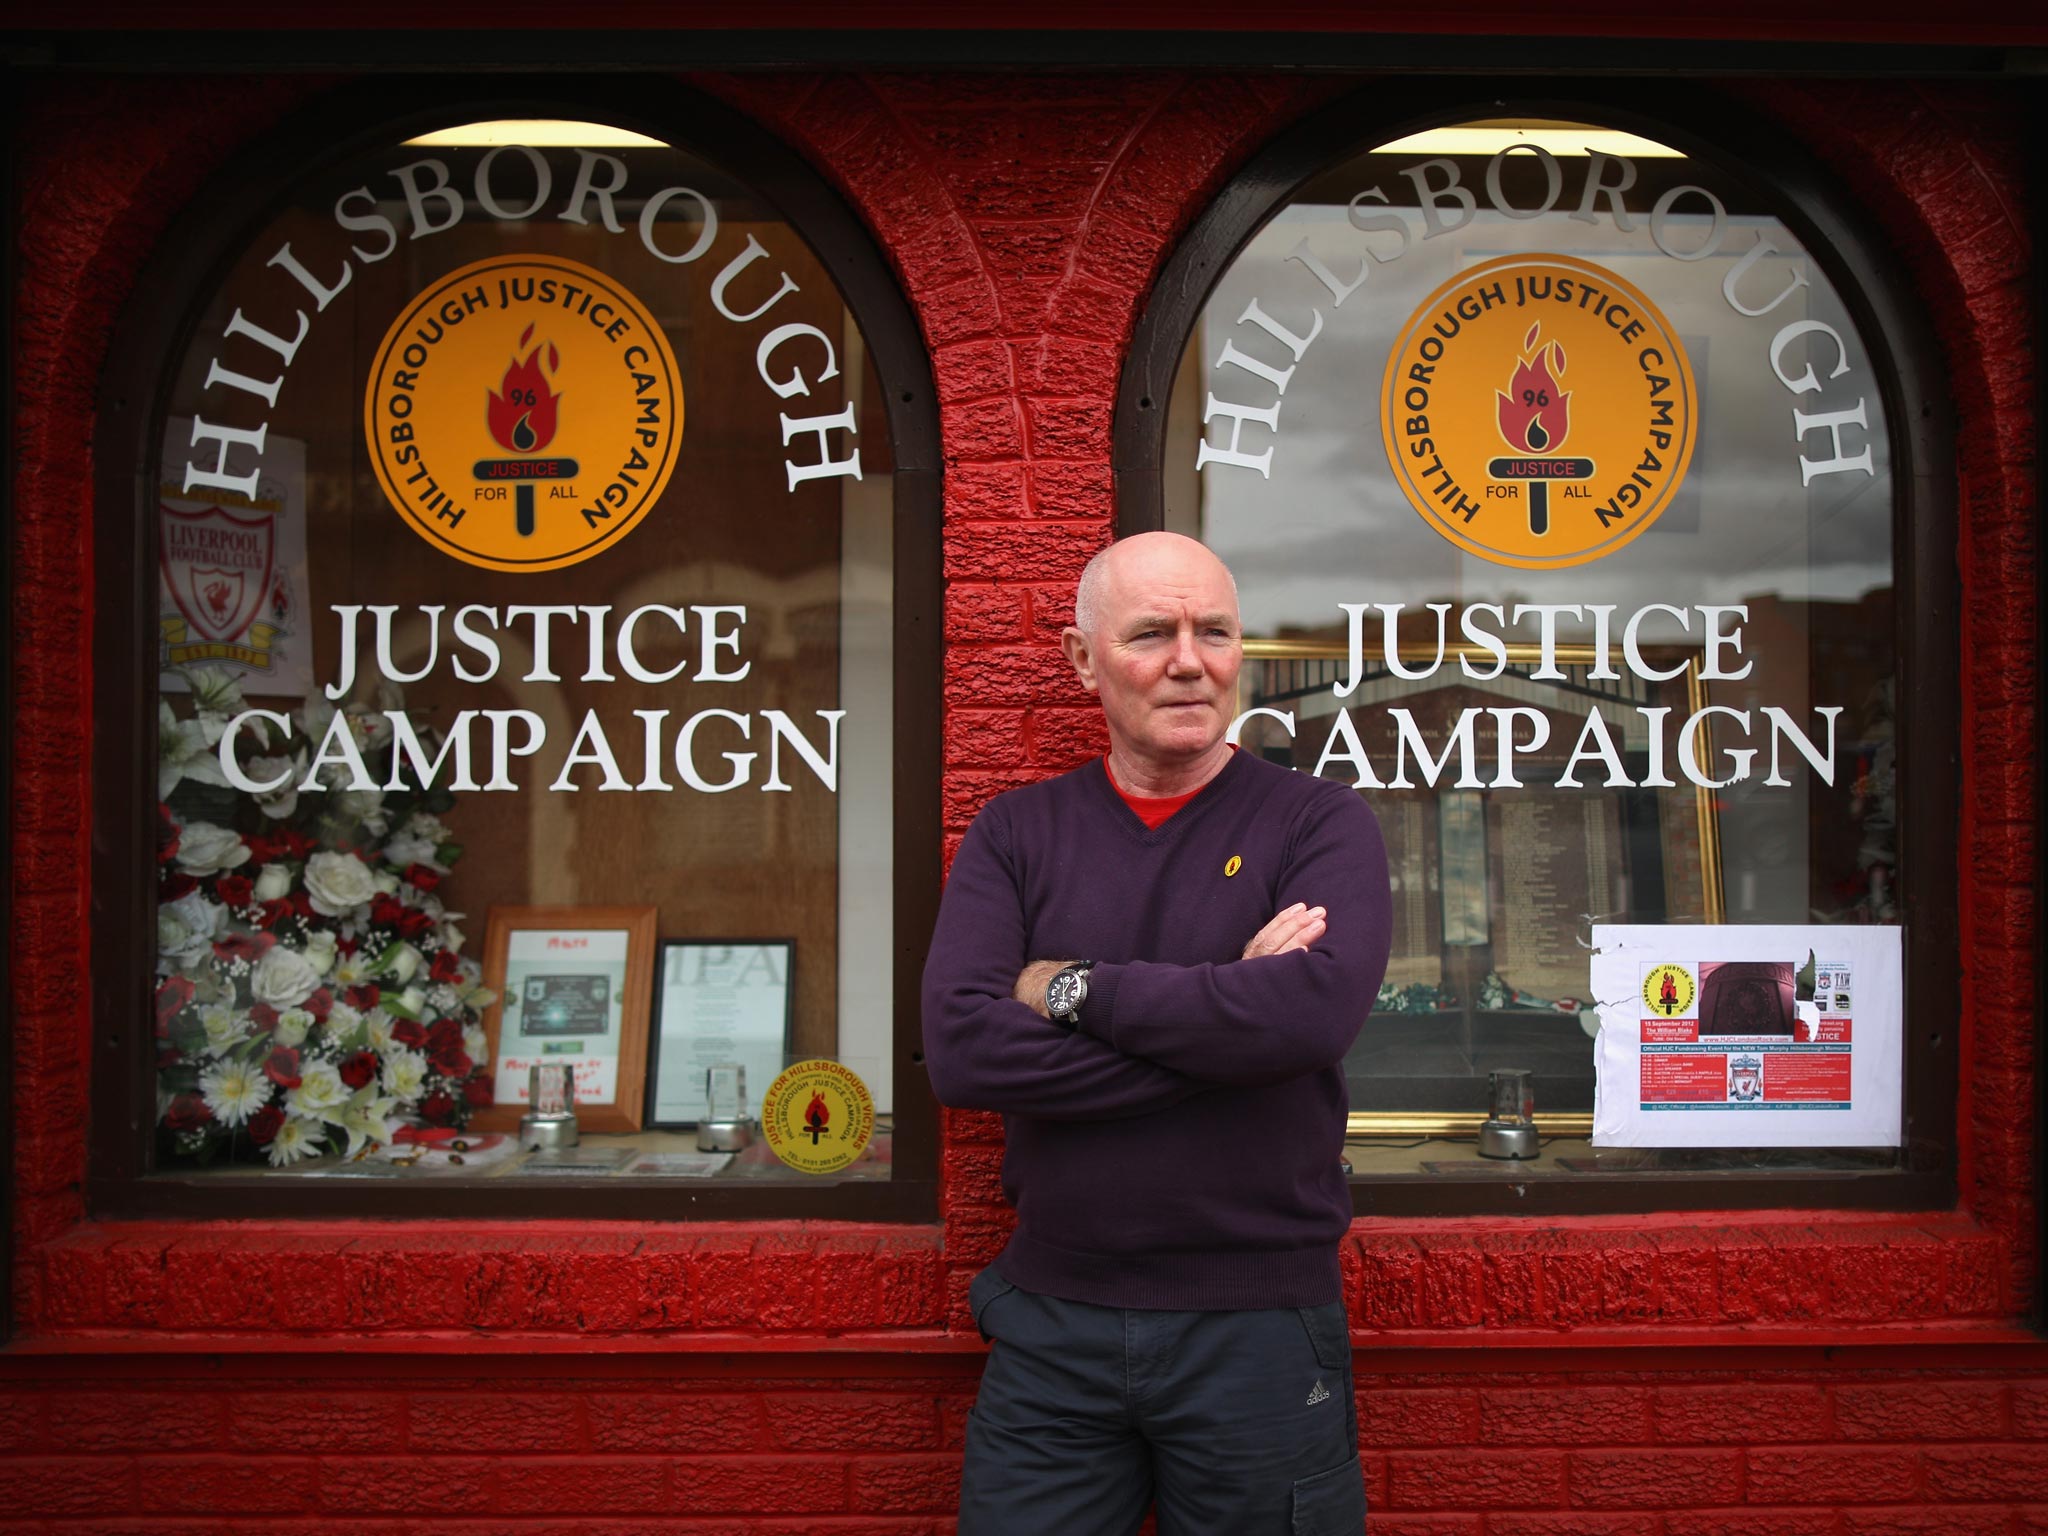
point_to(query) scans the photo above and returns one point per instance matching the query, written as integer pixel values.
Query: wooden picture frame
(753, 1040)
(601, 958)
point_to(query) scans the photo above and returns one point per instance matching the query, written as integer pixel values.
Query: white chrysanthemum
(377, 1029)
(296, 1139)
(442, 998)
(224, 1030)
(335, 882)
(342, 1020)
(320, 1095)
(293, 1025)
(353, 970)
(234, 1090)
(205, 849)
(405, 1074)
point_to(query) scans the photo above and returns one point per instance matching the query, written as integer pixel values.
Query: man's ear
(1075, 644)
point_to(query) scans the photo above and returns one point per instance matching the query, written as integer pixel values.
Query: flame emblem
(523, 408)
(1535, 414)
(816, 1117)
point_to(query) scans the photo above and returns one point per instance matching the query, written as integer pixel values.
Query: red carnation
(294, 845)
(477, 1091)
(437, 1108)
(262, 849)
(385, 910)
(346, 946)
(271, 913)
(362, 997)
(265, 1124)
(425, 876)
(302, 905)
(172, 994)
(175, 884)
(235, 890)
(359, 1069)
(445, 967)
(409, 1033)
(188, 1112)
(264, 1015)
(415, 924)
(320, 1004)
(243, 946)
(282, 1066)
(444, 1049)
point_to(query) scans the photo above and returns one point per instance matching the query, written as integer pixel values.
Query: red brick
(1946, 1520)
(1987, 1471)
(980, 492)
(1920, 1410)
(1654, 1479)
(1564, 1415)
(1833, 1475)
(546, 1485)
(746, 1485)
(675, 1423)
(1019, 551)
(979, 614)
(1072, 490)
(1381, 1523)
(1705, 1414)
(998, 675)
(1066, 737)
(1578, 1523)
(1480, 1479)
(68, 1485)
(1749, 1522)
(1435, 1416)
(1068, 429)
(906, 1484)
(982, 429)
(97, 1419)
(427, 1485)
(520, 1421)
(864, 1422)
(2030, 1410)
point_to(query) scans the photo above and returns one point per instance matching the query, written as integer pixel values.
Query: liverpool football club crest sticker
(1538, 411)
(524, 413)
(817, 1116)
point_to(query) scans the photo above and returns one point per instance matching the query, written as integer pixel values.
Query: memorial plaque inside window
(524, 633)
(1556, 478)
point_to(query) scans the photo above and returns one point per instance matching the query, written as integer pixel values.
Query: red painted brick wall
(1026, 216)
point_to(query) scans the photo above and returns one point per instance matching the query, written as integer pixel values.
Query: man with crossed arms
(1153, 966)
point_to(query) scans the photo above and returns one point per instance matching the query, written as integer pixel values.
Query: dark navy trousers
(1235, 1423)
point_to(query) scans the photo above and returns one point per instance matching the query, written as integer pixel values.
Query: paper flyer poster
(1729, 1036)
(231, 573)
(564, 1001)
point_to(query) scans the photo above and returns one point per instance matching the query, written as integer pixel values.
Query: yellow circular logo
(1668, 992)
(817, 1116)
(1232, 866)
(523, 413)
(1538, 411)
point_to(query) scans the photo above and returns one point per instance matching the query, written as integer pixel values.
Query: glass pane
(1630, 658)
(557, 590)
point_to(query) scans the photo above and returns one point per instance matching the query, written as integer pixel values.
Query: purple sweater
(1180, 1149)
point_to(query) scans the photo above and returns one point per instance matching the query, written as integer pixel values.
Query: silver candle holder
(549, 1123)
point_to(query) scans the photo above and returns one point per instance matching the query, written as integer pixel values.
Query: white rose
(405, 1074)
(283, 979)
(292, 1027)
(405, 964)
(476, 1045)
(204, 849)
(223, 1029)
(320, 1093)
(337, 882)
(185, 928)
(451, 936)
(320, 951)
(284, 772)
(364, 805)
(414, 998)
(387, 883)
(272, 882)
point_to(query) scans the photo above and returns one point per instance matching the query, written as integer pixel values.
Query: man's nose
(1186, 661)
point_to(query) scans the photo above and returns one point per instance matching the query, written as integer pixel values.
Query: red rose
(385, 910)
(320, 1004)
(271, 913)
(444, 1049)
(478, 1092)
(409, 1033)
(265, 1124)
(264, 1015)
(302, 905)
(235, 890)
(294, 845)
(425, 876)
(168, 833)
(445, 967)
(175, 884)
(262, 850)
(242, 946)
(359, 1069)
(346, 946)
(282, 1066)
(188, 1112)
(437, 1108)
(362, 998)
(172, 994)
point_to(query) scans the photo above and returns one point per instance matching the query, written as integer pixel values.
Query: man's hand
(1296, 928)
(1034, 979)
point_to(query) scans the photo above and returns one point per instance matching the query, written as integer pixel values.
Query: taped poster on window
(231, 573)
(1723, 1036)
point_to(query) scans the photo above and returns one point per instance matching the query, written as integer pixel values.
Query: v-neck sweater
(1180, 1147)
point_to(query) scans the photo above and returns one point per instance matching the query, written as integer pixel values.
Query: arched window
(517, 529)
(1580, 478)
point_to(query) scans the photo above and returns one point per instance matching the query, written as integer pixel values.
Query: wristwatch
(1067, 991)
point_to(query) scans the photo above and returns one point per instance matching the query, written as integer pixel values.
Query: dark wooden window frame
(1909, 373)
(156, 325)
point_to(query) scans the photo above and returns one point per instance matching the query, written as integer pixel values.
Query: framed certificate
(572, 985)
(717, 1001)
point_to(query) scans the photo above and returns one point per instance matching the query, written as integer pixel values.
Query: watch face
(1063, 996)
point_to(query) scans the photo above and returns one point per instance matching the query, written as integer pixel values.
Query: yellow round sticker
(523, 413)
(817, 1116)
(1538, 411)
(1668, 992)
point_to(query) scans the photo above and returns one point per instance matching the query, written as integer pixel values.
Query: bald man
(1152, 966)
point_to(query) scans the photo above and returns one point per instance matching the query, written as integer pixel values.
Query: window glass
(1555, 476)
(524, 620)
